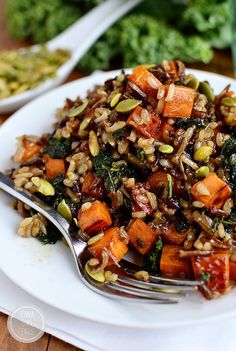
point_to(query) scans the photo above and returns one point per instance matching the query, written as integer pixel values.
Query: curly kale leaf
(152, 261)
(58, 148)
(188, 122)
(228, 157)
(51, 237)
(111, 171)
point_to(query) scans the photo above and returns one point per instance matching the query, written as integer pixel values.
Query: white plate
(48, 272)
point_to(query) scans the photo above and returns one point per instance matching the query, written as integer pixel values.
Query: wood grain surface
(221, 63)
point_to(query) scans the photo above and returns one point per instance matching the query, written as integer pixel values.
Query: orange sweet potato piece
(30, 149)
(116, 247)
(165, 131)
(172, 265)
(172, 236)
(93, 186)
(216, 266)
(54, 166)
(182, 103)
(150, 129)
(141, 236)
(218, 190)
(159, 179)
(95, 218)
(232, 271)
(145, 80)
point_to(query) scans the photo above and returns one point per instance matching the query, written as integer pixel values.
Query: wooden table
(222, 63)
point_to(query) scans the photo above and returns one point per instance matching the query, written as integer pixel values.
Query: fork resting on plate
(159, 289)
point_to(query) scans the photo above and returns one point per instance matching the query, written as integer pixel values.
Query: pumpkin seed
(43, 186)
(78, 111)
(202, 153)
(166, 149)
(230, 120)
(65, 211)
(84, 124)
(115, 100)
(204, 88)
(193, 83)
(22, 70)
(229, 101)
(94, 147)
(127, 105)
(202, 172)
(99, 276)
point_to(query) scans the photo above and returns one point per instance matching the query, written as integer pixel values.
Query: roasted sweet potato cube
(172, 236)
(95, 218)
(215, 269)
(113, 242)
(181, 104)
(151, 126)
(93, 186)
(218, 191)
(145, 80)
(54, 166)
(172, 265)
(141, 236)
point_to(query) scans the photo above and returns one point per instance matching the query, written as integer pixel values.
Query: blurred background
(195, 31)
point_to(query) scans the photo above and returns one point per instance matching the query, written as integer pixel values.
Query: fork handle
(76, 245)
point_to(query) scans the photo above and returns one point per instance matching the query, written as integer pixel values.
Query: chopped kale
(111, 171)
(181, 225)
(231, 220)
(141, 155)
(228, 157)
(58, 148)
(58, 186)
(205, 276)
(119, 134)
(52, 236)
(152, 261)
(189, 122)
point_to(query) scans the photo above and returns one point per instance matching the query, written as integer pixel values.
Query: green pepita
(64, 211)
(127, 105)
(193, 83)
(202, 153)
(84, 124)
(166, 149)
(115, 100)
(170, 185)
(202, 172)
(43, 186)
(229, 101)
(204, 88)
(22, 70)
(78, 111)
(99, 276)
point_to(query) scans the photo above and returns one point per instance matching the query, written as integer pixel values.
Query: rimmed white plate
(48, 272)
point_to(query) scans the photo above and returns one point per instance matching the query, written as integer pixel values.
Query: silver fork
(159, 289)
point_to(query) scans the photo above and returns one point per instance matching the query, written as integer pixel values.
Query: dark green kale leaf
(205, 276)
(181, 225)
(119, 133)
(111, 171)
(152, 261)
(231, 220)
(58, 148)
(59, 189)
(51, 237)
(228, 157)
(188, 122)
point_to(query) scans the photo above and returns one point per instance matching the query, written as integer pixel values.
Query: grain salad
(146, 161)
